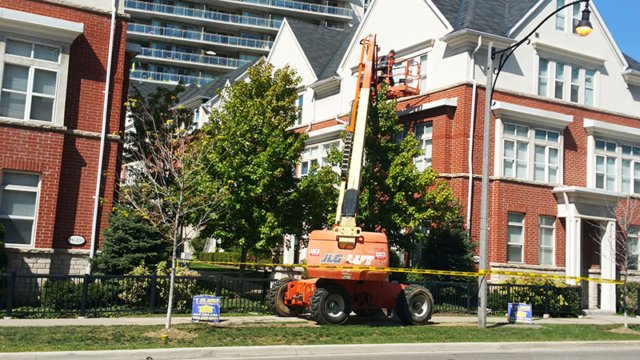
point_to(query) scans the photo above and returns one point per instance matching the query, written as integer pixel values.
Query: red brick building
(565, 130)
(54, 57)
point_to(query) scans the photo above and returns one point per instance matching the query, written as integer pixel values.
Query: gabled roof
(147, 88)
(633, 64)
(494, 17)
(322, 46)
(206, 92)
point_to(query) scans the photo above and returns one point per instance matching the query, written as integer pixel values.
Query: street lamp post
(583, 28)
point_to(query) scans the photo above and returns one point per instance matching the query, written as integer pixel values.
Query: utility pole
(484, 197)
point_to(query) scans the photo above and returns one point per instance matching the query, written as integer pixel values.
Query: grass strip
(25, 339)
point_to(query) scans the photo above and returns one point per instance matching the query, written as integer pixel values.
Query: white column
(608, 268)
(573, 248)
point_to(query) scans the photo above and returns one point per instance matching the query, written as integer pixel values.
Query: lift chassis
(331, 294)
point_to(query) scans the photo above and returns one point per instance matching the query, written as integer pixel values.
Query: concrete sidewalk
(239, 321)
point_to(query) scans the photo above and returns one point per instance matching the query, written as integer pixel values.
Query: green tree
(250, 149)
(130, 241)
(397, 198)
(166, 172)
(447, 249)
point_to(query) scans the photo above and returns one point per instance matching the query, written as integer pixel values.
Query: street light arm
(506, 53)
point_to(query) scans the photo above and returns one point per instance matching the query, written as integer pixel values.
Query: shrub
(560, 298)
(65, 296)
(134, 290)
(632, 297)
(130, 241)
(183, 290)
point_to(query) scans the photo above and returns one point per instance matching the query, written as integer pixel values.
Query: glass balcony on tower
(168, 77)
(143, 9)
(142, 32)
(200, 61)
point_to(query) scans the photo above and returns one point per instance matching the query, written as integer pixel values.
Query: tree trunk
(172, 280)
(624, 300)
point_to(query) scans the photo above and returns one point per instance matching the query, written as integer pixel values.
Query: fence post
(85, 290)
(508, 294)
(152, 293)
(10, 289)
(219, 286)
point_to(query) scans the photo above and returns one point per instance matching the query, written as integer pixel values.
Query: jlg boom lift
(332, 293)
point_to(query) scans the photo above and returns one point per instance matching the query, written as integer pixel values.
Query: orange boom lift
(331, 294)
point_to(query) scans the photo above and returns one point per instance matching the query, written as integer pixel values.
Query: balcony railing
(166, 77)
(203, 14)
(194, 58)
(298, 5)
(200, 36)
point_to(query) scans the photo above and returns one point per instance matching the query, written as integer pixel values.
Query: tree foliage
(166, 172)
(397, 198)
(252, 152)
(130, 241)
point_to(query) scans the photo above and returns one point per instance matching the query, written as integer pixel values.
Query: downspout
(472, 125)
(103, 135)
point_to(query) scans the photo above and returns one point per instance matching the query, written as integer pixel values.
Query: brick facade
(66, 158)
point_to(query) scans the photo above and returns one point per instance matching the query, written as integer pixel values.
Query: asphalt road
(618, 350)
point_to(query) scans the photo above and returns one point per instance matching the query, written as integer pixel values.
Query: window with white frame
(30, 77)
(546, 239)
(560, 16)
(576, 17)
(18, 206)
(515, 237)
(543, 77)
(316, 156)
(573, 14)
(546, 157)
(570, 82)
(424, 134)
(531, 153)
(299, 104)
(516, 150)
(617, 167)
(423, 72)
(559, 81)
(589, 76)
(633, 248)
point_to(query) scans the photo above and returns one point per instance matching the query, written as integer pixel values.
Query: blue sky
(621, 17)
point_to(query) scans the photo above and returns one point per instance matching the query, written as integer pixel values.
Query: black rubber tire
(275, 300)
(415, 305)
(330, 305)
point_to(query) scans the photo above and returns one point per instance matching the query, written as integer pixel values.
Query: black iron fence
(32, 296)
(456, 297)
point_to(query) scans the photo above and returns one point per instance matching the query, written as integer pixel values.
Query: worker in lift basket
(385, 66)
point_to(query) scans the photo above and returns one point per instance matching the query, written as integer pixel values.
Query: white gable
(598, 52)
(287, 51)
(398, 25)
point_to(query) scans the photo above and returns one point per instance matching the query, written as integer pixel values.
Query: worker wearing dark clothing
(385, 66)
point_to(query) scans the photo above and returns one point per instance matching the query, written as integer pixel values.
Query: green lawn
(13, 339)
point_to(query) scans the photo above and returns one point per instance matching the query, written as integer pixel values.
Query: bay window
(316, 156)
(542, 165)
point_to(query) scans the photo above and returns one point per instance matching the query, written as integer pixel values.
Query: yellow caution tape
(421, 271)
